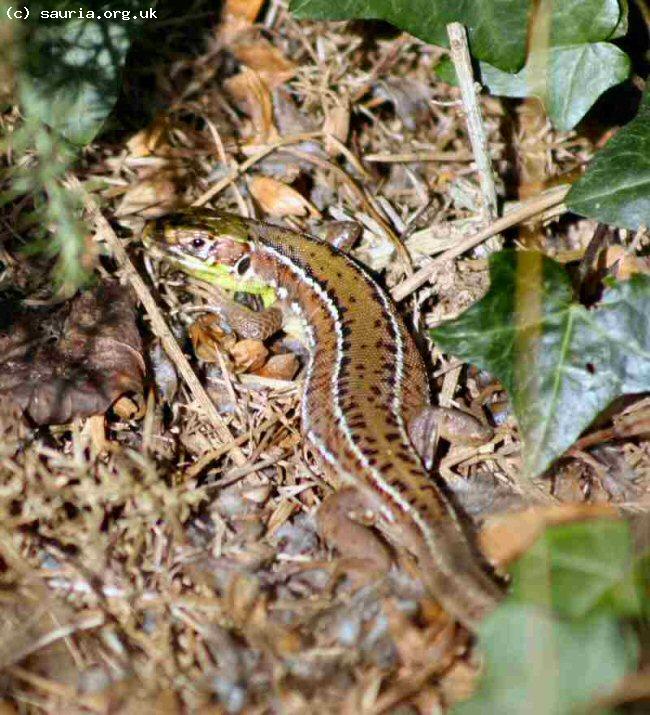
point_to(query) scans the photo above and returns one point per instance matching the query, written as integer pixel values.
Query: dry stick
(242, 168)
(419, 156)
(526, 210)
(159, 326)
(463, 65)
(459, 51)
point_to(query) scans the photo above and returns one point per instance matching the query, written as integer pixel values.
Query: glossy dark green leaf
(580, 569)
(535, 663)
(576, 21)
(497, 29)
(561, 363)
(616, 187)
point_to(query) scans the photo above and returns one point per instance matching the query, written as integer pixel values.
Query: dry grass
(160, 572)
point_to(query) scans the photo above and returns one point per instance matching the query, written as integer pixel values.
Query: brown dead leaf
(208, 336)
(459, 682)
(337, 125)
(75, 359)
(237, 17)
(278, 199)
(625, 264)
(129, 408)
(148, 140)
(280, 367)
(251, 94)
(264, 58)
(150, 198)
(248, 355)
(506, 536)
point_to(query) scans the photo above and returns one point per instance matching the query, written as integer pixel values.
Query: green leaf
(537, 664)
(576, 21)
(616, 187)
(72, 75)
(568, 79)
(580, 569)
(561, 363)
(497, 29)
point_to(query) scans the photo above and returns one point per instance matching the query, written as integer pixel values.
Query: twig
(159, 326)
(476, 130)
(239, 170)
(419, 156)
(524, 211)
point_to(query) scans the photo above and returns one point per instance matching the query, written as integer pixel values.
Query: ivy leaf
(536, 663)
(580, 569)
(497, 29)
(575, 76)
(561, 363)
(577, 21)
(555, 644)
(72, 76)
(616, 187)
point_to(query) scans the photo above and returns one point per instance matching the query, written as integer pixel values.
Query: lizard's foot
(344, 521)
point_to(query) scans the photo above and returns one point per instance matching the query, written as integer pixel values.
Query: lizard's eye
(198, 243)
(243, 265)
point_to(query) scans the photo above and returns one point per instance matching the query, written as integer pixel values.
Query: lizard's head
(208, 237)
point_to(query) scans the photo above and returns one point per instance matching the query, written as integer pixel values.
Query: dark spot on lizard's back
(378, 322)
(358, 423)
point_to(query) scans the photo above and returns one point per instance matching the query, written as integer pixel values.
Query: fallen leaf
(208, 337)
(278, 199)
(262, 57)
(251, 94)
(337, 125)
(625, 264)
(248, 355)
(280, 367)
(237, 17)
(72, 360)
(148, 140)
(150, 198)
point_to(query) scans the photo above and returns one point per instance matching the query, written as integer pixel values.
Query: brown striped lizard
(365, 404)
